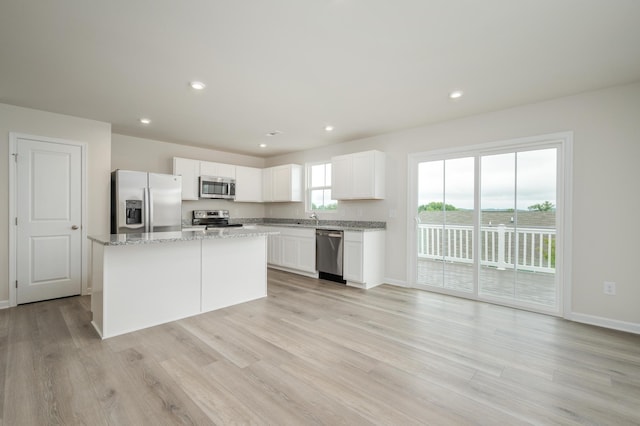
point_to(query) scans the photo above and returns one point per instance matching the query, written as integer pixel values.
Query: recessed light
(197, 85)
(455, 94)
(145, 120)
(274, 133)
(263, 145)
(328, 128)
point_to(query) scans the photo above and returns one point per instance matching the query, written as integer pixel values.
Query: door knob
(74, 227)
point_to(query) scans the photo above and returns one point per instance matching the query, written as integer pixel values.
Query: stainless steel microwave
(217, 187)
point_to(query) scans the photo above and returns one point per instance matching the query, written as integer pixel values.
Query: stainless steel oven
(217, 187)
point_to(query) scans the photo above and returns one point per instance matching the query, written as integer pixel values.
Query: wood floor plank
(317, 352)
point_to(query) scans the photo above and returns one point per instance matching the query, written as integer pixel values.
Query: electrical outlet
(609, 288)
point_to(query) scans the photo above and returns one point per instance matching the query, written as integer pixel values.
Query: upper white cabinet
(358, 176)
(190, 171)
(282, 183)
(208, 168)
(248, 184)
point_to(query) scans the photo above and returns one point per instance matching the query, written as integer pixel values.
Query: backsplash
(341, 223)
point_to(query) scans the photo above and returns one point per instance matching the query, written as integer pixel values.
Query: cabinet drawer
(354, 236)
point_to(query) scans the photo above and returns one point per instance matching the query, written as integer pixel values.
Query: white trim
(392, 281)
(567, 224)
(308, 187)
(563, 141)
(13, 181)
(629, 327)
(294, 271)
(4, 304)
(13, 139)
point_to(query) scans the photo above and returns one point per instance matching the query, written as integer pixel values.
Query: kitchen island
(142, 280)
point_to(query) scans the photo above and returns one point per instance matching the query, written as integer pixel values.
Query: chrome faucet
(315, 217)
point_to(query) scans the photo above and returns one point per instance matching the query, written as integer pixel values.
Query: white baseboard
(398, 283)
(630, 327)
(4, 304)
(294, 271)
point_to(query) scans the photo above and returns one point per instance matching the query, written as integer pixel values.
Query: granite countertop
(340, 225)
(332, 227)
(168, 237)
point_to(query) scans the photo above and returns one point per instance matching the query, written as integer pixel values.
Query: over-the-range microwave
(217, 187)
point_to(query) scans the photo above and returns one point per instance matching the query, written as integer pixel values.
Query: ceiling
(366, 67)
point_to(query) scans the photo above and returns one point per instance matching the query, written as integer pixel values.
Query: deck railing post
(501, 247)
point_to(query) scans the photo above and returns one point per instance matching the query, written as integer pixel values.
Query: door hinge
(16, 221)
(16, 283)
(15, 157)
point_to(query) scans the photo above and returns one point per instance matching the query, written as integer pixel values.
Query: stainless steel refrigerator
(145, 202)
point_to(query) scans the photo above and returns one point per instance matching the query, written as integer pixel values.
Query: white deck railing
(531, 249)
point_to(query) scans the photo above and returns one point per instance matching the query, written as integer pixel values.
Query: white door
(48, 236)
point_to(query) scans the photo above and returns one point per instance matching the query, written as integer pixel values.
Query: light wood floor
(315, 352)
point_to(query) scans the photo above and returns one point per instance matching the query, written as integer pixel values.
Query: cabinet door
(267, 186)
(227, 170)
(290, 251)
(341, 172)
(190, 172)
(248, 184)
(362, 172)
(353, 257)
(274, 253)
(209, 168)
(281, 181)
(307, 254)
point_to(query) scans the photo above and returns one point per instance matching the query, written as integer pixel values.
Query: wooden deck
(537, 288)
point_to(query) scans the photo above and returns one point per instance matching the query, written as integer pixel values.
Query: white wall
(606, 126)
(131, 153)
(96, 134)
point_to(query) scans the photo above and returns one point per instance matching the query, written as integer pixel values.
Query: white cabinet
(282, 183)
(248, 184)
(208, 168)
(358, 176)
(293, 250)
(274, 248)
(190, 171)
(364, 258)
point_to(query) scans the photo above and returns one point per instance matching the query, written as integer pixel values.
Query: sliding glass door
(445, 216)
(518, 227)
(485, 224)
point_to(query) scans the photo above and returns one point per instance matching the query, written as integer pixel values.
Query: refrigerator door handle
(145, 202)
(150, 195)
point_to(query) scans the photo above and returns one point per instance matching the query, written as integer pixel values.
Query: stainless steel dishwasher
(329, 255)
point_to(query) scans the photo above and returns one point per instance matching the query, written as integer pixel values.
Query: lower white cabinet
(274, 248)
(364, 258)
(294, 250)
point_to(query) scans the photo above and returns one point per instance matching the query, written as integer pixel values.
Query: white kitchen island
(142, 280)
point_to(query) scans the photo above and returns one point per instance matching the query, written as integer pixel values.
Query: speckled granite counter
(332, 227)
(168, 237)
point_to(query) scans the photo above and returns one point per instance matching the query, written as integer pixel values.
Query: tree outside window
(319, 188)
